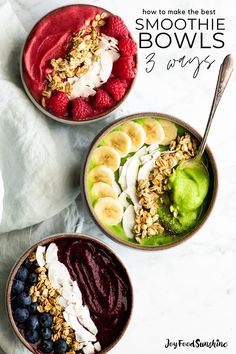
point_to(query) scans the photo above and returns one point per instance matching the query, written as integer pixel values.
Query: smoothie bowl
(138, 186)
(69, 294)
(79, 63)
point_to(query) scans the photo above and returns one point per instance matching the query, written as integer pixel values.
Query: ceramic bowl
(113, 232)
(36, 102)
(101, 248)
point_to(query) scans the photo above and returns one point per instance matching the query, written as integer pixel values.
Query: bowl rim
(84, 184)
(45, 241)
(99, 117)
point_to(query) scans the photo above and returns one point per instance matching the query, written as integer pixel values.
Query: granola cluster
(150, 192)
(48, 298)
(82, 52)
(146, 224)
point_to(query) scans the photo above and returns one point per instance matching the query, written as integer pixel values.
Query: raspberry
(102, 100)
(57, 104)
(124, 68)
(81, 109)
(127, 46)
(115, 27)
(116, 87)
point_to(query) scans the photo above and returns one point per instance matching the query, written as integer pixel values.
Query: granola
(82, 53)
(48, 298)
(150, 192)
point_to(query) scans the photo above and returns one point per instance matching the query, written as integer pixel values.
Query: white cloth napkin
(1, 195)
(40, 159)
(40, 162)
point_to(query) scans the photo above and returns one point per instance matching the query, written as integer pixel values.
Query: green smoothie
(188, 186)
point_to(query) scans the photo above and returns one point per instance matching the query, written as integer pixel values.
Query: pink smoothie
(49, 39)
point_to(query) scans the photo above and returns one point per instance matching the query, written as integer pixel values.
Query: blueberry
(32, 322)
(45, 333)
(45, 320)
(33, 307)
(23, 299)
(27, 264)
(22, 273)
(27, 287)
(60, 346)
(32, 336)
(14, 305)
(21, 315)
(46, 346)
(17, 287)
(33, 278)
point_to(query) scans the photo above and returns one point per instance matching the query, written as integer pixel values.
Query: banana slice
(136, 133)
(101, 174)
(101, 190)
(108, 156)
(120, 141)
(109, 211)
(170, 131)
(154, 131)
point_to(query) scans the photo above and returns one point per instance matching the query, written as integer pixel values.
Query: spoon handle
(225, 72)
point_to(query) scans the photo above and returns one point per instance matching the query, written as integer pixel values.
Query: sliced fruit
(123, 169)
(128, 221)
(141, 152)
(116, 188)
(122, 174)
(147, 167)
(131, 191)
(132, 172)
(123, 199)
(108, 156)
(101, 174)
(170, 131)
(153, 148)
(120, 141)
(109, 211)
(145, 158)
(136, 133)
(131, 179)
(101, 190)
(154, 131)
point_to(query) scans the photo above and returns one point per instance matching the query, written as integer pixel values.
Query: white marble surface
(187, 292)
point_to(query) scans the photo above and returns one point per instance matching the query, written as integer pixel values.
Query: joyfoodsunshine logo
(195, 343)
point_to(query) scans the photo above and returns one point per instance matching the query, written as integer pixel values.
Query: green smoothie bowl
(138, 184)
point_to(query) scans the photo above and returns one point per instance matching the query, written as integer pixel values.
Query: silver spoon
(225, 72)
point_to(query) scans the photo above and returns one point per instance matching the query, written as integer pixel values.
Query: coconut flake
(153, 148)
(128, 221)
(75, 314)
(123, 199)
(62, 302)
(89, 349)
(114, 54)
(51, 253)
(84, 318)
(99, 72)
(80, 90)
(97, 346)
(77, 293)
(106, 65)
(116, 187)
(40, 255)
(82, 335)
